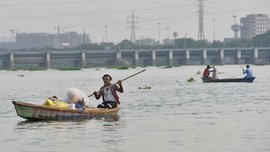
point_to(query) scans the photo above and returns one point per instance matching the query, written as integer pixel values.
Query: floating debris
(20, 75)
(119, 67)
(198, 72)
(191, 79)
(145, 87)
(168, 66)
(67, 68)
(123, 68)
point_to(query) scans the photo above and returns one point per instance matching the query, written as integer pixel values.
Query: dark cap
(107, 75)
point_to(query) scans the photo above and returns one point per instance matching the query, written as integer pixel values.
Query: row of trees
(148, 43)
(257, 41)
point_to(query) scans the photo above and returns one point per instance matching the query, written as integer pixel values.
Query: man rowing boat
(248, 72)
(207, 71)
(108, 92)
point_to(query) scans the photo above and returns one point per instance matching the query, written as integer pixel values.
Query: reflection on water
(30, 124)
(174, 115)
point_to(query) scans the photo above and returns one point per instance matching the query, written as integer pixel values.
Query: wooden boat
(228, 80)
(42, 112)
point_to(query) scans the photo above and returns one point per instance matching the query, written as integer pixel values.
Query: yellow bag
(55, 103)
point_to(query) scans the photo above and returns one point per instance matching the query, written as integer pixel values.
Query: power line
(106, 12)
(93, 13)
(96, 1)
(237, 10)
(64, 15)
(50, 3)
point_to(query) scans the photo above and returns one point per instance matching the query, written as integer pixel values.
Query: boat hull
(206, 80)
(41, 112)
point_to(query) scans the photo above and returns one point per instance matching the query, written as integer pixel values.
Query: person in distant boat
(248, 72)
(207, 71)
(108, 93)
(214, 75)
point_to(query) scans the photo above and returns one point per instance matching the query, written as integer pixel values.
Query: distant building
(33, 40)
(70, 39)
(44, 40)
(254, 24)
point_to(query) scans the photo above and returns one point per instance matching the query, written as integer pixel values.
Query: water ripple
(173, 115)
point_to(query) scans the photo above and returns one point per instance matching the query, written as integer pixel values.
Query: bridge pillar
(255, 59)
(170, 57)
(11, 60)
(187, 57)
(238, 57)
(153, 57)
(221, 56)
(82, 59)
(48, 60)
(136, 58)
(118, 56)
(205, 56)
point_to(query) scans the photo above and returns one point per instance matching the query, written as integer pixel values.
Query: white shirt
(108, 95)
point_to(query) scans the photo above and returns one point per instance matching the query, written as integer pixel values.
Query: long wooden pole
(121, 80)
(241, 66)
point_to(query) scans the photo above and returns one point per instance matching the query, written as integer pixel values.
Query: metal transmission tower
(132, 27)
(201, 24)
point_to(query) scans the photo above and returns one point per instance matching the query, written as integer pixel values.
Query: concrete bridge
(137, 57)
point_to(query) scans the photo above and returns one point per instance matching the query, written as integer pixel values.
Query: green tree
(201, 44)
(125, 44)
(185, 43)
(262, 40)
(216, 44)
(240, 43)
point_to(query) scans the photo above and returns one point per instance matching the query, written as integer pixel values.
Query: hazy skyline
(179, 16)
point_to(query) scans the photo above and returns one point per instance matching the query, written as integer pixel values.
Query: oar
(241, 66)
(121, 80)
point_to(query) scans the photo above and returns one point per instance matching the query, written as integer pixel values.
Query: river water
(174, 115)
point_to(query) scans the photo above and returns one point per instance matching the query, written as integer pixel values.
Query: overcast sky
(179, 16)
